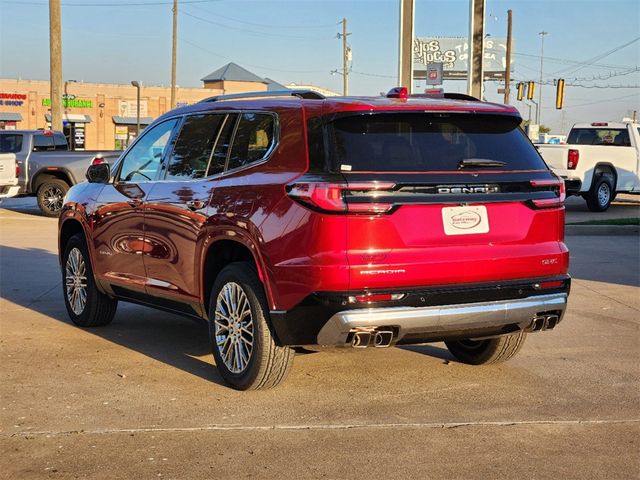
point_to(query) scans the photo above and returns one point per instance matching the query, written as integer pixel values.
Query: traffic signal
(560, 93)
(520, 87)
(531, 90)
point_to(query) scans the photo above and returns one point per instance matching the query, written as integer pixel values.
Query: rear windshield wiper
(480, 162)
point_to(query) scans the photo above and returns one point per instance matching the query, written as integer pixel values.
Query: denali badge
(447, 189)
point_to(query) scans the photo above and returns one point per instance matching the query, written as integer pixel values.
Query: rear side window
(253, 139)
(60, 141)
(10, 143)
(599, 136)
(193, 149)
(219, 158)
(421, 142)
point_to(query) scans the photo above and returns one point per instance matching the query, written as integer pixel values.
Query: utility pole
(346, 54)
(507, 70)
(476, 47)
(173, 54)
(405, 44)
(539, 106)
(55, 64)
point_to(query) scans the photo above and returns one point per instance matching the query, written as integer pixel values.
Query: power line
(251, 32)
(608, 100)
(597, 57)
(373, 74)
(272, 26)
(569, 61)
(248, 64)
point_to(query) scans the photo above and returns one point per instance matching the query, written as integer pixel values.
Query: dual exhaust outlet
(378, 338)
(543, 321)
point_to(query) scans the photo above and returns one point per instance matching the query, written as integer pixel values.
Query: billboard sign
(453, 54)
(129, 108)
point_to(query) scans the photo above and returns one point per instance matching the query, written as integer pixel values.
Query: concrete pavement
(140, 397)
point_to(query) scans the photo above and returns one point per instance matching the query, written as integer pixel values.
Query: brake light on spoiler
(330, 197)
(557, 186)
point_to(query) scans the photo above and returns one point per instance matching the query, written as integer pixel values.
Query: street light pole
(136, 84)
(174, 48)
(539, 106)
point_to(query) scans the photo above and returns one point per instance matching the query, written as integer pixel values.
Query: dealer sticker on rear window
(465, 220)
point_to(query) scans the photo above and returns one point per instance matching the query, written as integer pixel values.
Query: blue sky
(294, 41)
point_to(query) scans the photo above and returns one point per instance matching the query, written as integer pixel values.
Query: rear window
(428, 142)
(47, 141)
(599, 136)
(10, 143)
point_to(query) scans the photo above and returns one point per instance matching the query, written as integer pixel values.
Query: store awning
(131, 120)
(71, 118)
(10, 117)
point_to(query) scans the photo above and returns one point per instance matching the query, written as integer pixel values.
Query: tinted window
(43, 142)
(253, 139)
(142, 162)
(60, 141)
(10, 143)
(426, 142)
(194, 146)
(219, 157)
(599, 136)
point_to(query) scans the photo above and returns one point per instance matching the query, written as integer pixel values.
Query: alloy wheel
(603, 194)
(53, 198)
(234, 328)
(76, 281)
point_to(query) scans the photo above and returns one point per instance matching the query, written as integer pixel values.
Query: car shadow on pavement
(25, 205)
(35, 284)
(431, 351)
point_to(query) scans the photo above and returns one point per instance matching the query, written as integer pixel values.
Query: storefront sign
(128, 108)
(12, 99)
(453, 54)
(70, 103)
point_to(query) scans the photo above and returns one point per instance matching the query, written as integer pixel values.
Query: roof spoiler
(304, 94)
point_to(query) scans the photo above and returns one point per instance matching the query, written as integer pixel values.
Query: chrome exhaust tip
(552, 321)
(361, 339)
(383, 338)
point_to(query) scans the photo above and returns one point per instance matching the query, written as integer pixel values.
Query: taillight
(17, 170)
(550, 202)
(330, 197)
(572, 159)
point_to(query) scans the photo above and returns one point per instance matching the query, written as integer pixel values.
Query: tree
(542, 129)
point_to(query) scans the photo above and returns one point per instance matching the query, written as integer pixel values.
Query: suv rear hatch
(441, 198)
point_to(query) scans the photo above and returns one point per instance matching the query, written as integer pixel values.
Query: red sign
(13, 96)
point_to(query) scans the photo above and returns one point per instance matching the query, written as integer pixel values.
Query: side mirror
(99, 173)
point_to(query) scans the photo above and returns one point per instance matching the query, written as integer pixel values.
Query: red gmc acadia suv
(289, 219)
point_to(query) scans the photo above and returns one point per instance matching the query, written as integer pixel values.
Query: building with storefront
(100, 116)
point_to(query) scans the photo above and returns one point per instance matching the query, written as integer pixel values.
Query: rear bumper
(428, 322)
(425, 315)
(7, 191)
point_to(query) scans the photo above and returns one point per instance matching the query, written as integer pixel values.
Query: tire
(601, 194)
(260, 364)
(97, 309)
(50, 196)
(483, 352)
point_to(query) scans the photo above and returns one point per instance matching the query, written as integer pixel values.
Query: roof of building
(272, 85)
(234, 73)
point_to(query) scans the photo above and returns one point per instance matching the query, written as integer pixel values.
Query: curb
(602, 230)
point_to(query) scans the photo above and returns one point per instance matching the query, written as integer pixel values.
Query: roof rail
(305, 94)
(460, 96)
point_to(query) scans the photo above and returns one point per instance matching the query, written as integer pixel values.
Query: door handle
(194, 205)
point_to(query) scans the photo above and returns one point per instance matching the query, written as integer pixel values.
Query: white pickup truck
(9, 172)
(598, 161)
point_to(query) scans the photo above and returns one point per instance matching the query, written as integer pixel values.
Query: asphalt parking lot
(141, 399)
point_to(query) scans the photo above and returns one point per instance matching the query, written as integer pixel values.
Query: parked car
(47, 168)
(599, 161)
(9, 171)
(291, 219)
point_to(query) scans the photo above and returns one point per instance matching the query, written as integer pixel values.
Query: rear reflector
(376, 297)
(557, 185)
(572, 159)
(547, 285)
(330, 197)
